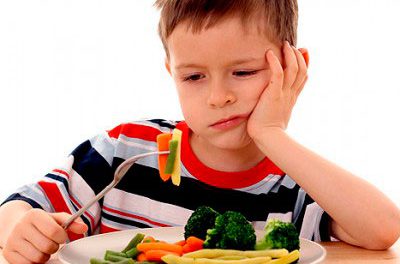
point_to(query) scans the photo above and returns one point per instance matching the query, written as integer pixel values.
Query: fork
(118, 175)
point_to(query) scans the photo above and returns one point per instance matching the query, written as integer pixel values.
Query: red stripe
(61, 172)
(107, 229)
(135, 131)
(57, 200)
(134, 216)
(85, 213)
(222, 179)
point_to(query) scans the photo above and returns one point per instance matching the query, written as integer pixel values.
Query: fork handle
(89, 204)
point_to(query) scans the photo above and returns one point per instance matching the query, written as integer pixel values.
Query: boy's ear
(167, 66)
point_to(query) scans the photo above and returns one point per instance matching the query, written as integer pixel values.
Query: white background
(72, 69)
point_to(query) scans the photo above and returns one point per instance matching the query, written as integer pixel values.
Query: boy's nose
(219, 96)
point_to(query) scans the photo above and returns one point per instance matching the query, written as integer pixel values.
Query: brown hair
(280, 15)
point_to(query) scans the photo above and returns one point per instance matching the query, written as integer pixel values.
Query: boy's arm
(361, 214)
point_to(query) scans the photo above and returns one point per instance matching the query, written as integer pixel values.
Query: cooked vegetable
(114, 258)
(231, 231)
(176, 173)
(280, 235)
(202, 219)
(133, 242)
(141, 257)
(217, 253)
(157, 254)
(290, 258)
(192, 244)
(160, 246)
(114, 253)
(98, 261)
(173, 147)
(172, 259)
(132, 253)
(163, 145)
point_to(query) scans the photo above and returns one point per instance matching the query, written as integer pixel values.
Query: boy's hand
(37, 235)
(275, 104)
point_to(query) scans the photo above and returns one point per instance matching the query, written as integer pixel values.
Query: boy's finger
(48, 226)
(306, 55)
(276, 80)
(299, 90)
(292, 66)
(301, 73)
(33, 254)
(15, 257)
(40, 241)
(77, 227)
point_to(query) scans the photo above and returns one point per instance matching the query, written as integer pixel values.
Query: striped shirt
(143, 200)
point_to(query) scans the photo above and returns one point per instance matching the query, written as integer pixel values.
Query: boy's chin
(231, 141)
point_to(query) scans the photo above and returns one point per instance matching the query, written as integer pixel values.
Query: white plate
(80, 251)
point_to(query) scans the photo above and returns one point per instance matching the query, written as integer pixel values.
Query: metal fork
(118, 175)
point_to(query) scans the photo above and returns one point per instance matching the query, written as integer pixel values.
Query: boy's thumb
(77, 226)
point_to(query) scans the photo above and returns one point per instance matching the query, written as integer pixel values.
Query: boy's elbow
(386, 238)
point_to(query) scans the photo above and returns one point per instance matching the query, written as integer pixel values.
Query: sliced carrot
(187, 248)
(180, 242)
(157, 254)
(163, 145)
(195, 242)
(141, 257)
(159, 245)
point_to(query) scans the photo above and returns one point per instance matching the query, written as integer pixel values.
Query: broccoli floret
(202, 219)
(280, 235)
(231, 231)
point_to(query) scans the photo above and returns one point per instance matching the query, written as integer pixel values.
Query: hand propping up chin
(276, 102)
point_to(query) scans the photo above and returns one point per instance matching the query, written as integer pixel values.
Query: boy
(238, 79)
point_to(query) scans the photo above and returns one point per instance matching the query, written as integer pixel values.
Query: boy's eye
(193, 77)
(245, 73)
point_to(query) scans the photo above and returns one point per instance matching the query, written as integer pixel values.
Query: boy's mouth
(227, 123)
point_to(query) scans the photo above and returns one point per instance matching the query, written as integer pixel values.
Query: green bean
(114, 258)
(133, 243)
(133, 252)
(98, 261)
(126, 261)
(114, 253)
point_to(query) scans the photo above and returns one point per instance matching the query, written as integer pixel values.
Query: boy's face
(220, 74)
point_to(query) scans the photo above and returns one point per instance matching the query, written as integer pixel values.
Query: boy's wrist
(266, 133)
(266, 137)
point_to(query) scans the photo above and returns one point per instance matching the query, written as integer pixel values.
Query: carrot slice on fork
(163, 145)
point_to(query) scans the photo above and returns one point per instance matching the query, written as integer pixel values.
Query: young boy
(238, 77)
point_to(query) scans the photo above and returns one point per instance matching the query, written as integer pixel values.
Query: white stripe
(133, 218)
(287, 217)
(286, 181)
(263, 186)
(115, 225)
(105, 146)
(311, 222)
(156, 126)
(34, 192)
(82, 192)
(141, 144)
(159, 212)
(258, 225)
(301, 196)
